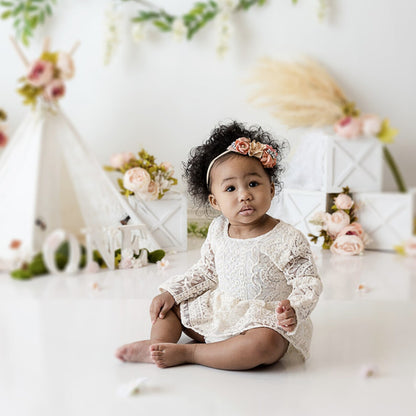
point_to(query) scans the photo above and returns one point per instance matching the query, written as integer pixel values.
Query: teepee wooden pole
(46, 44)
(74, 48)
(19, 52)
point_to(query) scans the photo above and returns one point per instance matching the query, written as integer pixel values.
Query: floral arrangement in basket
(46, 76)
(303, 94)
(142, 176)
(341, 232)
(3, 136)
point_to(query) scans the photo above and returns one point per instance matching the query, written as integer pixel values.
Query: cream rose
(152, 190)
(65, 64)
(410, 247)
(320, 218)
(348, 127)
(137, 180)
(256, 149)
(347, 245)
(343, 201)
(54, 90)
(336, 222)
(371, 124)
(118, 160)
(242, 145)
(40, 73)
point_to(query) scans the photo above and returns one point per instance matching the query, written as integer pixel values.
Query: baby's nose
(245, 195)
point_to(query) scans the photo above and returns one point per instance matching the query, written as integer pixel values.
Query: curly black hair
(195, 168)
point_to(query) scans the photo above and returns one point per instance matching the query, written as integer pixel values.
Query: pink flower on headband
(242, 145)
(268, 159)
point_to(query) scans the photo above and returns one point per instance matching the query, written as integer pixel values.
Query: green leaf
(21, 274)
(162, 25)
(155, 256)
(6, 14)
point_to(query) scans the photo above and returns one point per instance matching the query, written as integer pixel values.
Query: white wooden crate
(326, 162)
(297, 207)
(387, 217)
(166, 219)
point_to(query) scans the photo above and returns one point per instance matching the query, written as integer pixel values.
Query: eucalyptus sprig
(27, 15)
(195, 19)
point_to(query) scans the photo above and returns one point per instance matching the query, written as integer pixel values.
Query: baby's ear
(272, 188)
(213, 202)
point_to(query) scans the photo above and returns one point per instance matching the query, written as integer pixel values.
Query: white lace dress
(237, 283)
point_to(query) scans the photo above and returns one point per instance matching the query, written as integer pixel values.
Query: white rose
(137, 180)
(336, 222)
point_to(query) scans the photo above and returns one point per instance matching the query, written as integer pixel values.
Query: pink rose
(343, 201)
(410, 247)
(40, 73)
(354, 228)
(336, 222)
(371, 124)
(169, 168)
(137, 180)
(118, 160)
(65, 64)
(54, 90)
(348, 127)
(347, 245)
(242, 145)
(3, 139)
(268, 159)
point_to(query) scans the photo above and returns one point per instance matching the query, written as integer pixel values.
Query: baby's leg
(167, 329)
(252, 348)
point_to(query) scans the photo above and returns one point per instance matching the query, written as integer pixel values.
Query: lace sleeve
(198, 279)
(301, 273)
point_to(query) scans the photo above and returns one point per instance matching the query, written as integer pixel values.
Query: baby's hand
(286, 316)
(160, 306)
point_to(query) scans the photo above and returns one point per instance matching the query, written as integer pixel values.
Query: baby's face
(241, 190)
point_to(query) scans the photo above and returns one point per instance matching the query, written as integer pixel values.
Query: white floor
(58, 335)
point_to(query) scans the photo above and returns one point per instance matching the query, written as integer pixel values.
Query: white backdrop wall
(167, 96)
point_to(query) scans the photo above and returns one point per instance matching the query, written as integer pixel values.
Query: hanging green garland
(27, 15)
(195, 19)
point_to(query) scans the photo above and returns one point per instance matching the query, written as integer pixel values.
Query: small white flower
(138, 32)
(92, 267)
(131, 388)
(179, 29)
(127, 253)
(125, 264)
(162, 264)
(112, 33)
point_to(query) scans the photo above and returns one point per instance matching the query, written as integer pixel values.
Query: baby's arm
(301, 273)
(195, 281)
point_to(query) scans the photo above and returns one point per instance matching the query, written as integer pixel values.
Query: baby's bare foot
(136, 352)
(169, 355)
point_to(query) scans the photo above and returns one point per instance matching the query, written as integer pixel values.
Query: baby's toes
(121, 352)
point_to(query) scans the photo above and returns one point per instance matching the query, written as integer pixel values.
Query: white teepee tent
(49, 180)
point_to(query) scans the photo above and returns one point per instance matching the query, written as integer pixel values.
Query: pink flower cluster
(48, 73)
(264, 152)
(342, 234)
(353, 127)
(143, 177)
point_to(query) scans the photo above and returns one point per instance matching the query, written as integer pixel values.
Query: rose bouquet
(341, 232)
(46, 76)
(142, 176)
(3, 136)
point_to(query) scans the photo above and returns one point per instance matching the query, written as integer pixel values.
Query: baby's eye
(230, 189)
(252, 184)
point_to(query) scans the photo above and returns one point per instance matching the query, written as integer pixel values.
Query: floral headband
(264, 152)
